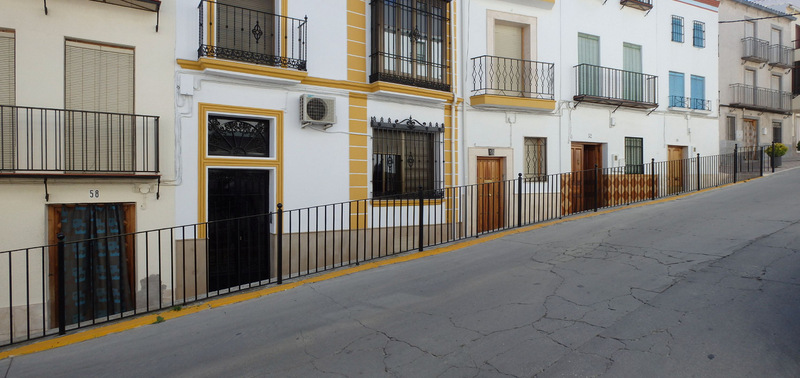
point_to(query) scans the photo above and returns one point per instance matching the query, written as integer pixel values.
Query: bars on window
(409, 42)
(677, 29)
(634, 155)
(699, 34)
(405, 162)
(535, 159)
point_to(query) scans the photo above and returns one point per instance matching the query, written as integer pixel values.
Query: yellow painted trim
(124, 325)
(246, 68)
(303, 78)
(512, 102)
(204, 161)
(409, 90)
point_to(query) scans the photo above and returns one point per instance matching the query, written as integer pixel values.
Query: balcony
(37, 141)
(680, 102)
(609, 86)
(762, 99)
(644, 5)
(515, 83)
(250, 36)
(755, 50)
(781, 56)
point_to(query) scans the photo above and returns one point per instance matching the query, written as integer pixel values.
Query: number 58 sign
(94, 193)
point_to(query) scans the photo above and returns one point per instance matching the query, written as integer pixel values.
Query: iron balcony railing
(615, 87)
(512, 77)
(77, 141)
(644, 5)
(765, 99)
(689, 103)
(781, 56)
(171, 267)
(755, 50)
(252, 36)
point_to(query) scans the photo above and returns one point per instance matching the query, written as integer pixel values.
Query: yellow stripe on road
(124, 325)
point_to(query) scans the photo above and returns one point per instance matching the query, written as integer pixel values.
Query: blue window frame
(699, 34)
(676, 90)
(677, 29)
(698, 92)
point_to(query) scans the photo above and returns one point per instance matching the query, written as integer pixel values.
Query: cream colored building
(756, 58)
(86, 142)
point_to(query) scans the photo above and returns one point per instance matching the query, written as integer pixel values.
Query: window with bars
(535, 159)
(677, 29)
(406, 161)
(730, 131)
(699, 34)
(234, 136)
(634, 155)
(409, 42)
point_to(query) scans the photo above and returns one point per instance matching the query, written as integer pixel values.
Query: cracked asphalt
(706, 285)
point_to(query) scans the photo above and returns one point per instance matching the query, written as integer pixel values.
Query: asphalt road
(706, 285)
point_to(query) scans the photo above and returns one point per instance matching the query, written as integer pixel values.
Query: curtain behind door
(96, 283)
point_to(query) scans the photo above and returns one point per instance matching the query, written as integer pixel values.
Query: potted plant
(775, 151)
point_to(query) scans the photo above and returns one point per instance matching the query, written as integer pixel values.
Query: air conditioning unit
(316, 110)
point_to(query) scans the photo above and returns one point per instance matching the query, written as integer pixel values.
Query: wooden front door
(676, 156)
(491, 198)
(584, 192)
(750, 131)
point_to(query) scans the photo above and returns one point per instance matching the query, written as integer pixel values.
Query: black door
(238, 230)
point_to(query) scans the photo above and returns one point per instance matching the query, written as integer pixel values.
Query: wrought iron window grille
(228, 136)
(407, 159)
(409, 43)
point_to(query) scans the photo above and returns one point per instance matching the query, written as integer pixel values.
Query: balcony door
(246, 27)
(749, 95)
(8, 128)
(632, 85)
(589, 78)
(510, 70)
(99, 93)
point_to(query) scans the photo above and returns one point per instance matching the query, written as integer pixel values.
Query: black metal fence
(77, 283)
(689, 103)
(63, 140)
(252, 35)
(512, 77)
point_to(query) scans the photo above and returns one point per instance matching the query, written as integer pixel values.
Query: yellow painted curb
(124, 325)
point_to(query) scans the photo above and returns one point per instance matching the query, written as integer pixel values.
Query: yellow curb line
(143, 320)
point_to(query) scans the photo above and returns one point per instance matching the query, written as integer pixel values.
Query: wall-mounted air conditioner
(317, 110)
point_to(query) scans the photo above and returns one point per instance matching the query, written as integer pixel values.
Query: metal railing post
(698, 171)
(652, 178)
(421, 218)
(62, 290)
(279, 250)
(735, 161)
(596, 188)
(519, 200)
(772, 156)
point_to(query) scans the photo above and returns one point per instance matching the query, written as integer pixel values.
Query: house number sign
(94, 193)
